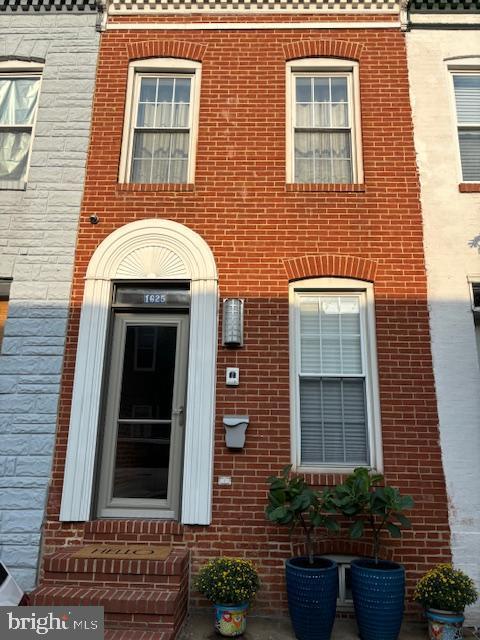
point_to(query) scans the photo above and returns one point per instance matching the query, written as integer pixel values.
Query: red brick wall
(259, 231)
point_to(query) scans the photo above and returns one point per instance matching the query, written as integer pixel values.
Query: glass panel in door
(144, 423)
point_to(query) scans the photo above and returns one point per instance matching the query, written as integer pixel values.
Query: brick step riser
(121, 580)
(138, 634)
(125, 538)
(122, 623)
(141, 532)
(116, 617)
(179, 566)
(119, 620)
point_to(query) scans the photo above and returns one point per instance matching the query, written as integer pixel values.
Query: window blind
(467, 99)
(333, 418)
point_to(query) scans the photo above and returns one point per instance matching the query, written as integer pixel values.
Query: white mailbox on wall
(235, 427)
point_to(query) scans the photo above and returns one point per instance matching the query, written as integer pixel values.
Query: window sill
(337, 187)
(328, 476)
(131, 187)
(13, 185)
(469, 187)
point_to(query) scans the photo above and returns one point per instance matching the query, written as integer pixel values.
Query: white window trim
(340, 286)
(150, 249)
(159, 66)
(22, 68)
(458, 66)
(327, 65)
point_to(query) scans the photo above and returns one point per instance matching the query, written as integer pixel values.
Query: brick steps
(142, 599)
(63, 568)
(112, 599)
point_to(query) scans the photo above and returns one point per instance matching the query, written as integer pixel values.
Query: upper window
(161, 122)
(467, 100)
(323, 133)
(19, 91)
(335, 413)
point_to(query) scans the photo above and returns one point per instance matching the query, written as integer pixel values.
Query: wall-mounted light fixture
(233, 322)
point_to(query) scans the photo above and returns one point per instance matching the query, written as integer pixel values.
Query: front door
(141, 460)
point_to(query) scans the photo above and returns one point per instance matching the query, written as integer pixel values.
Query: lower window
(335, 412)
(4, 296)
(344, 599)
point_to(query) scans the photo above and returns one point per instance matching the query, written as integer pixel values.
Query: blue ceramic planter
(312, 597)
(378, 597)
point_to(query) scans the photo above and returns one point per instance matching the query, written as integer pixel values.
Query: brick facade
(263, 233)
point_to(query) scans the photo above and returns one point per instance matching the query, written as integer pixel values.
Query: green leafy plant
(228, 581)
(444, 587)
(292, 502)
(373, 506)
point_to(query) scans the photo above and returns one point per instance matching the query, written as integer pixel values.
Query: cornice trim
(250, 26)
(253, 6)
(49, 6)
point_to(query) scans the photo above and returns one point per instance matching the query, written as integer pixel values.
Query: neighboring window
(467, 100)
(475, 293)
(323, 133)
(19, 91)
(4, 296)
(161, 122)
(344, 597)
(335, 413)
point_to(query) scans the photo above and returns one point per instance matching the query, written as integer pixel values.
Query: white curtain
(323, 157)
(160, 157)
(18, 101)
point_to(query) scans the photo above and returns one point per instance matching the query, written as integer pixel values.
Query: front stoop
(142, 599)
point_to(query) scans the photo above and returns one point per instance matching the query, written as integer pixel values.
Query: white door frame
(146, 250)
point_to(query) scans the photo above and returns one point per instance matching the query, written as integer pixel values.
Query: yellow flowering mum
(444, 587)
(228, 581)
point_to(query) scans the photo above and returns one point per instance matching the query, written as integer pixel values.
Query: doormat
(133, 551)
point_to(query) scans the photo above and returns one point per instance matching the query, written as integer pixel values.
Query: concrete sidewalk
(199, 626)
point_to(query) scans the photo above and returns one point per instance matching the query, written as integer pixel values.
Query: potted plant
(312, 582)
(445, 592)
(231, 584)
(378, 586)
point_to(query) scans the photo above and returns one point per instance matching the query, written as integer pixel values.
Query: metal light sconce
(233, 322)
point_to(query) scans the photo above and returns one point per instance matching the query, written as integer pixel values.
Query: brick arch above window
(346, 546)
(341, 266)
(166, 49)
(323, 48)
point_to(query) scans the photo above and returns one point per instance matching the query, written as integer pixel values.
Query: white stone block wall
(38, 230)
(451, 221)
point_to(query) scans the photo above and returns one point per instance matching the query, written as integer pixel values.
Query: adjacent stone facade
(38, 228)
(451, 223)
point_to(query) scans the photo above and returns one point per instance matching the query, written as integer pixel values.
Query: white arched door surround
(145, 250)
